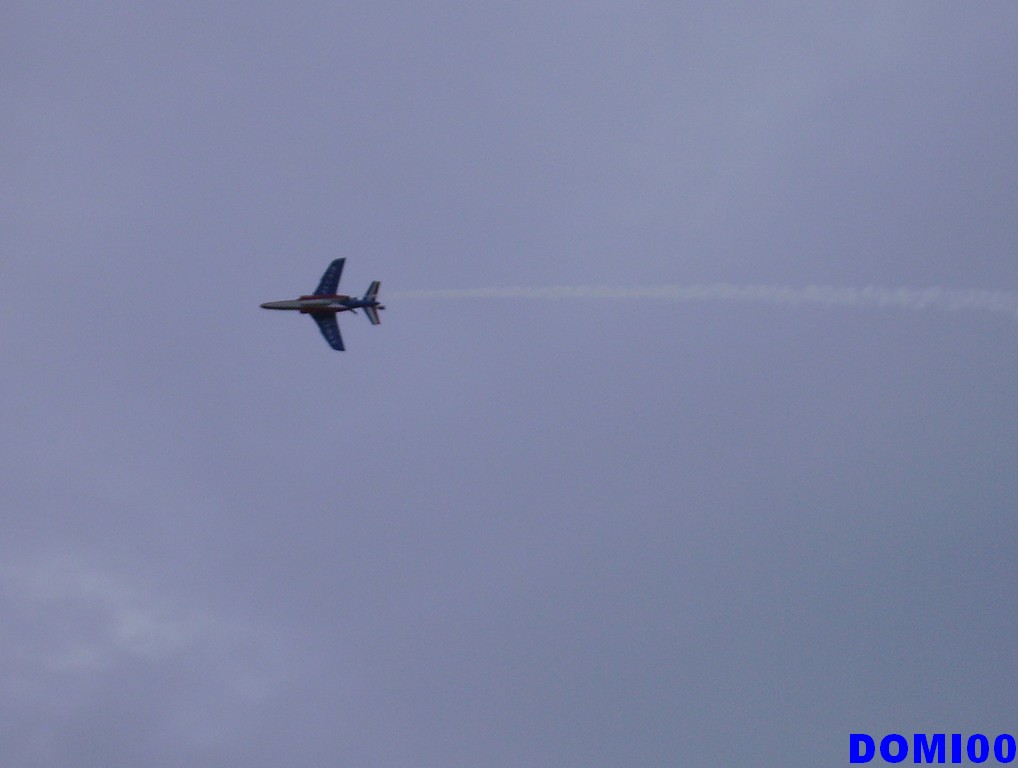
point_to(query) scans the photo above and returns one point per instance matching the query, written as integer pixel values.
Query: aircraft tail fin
(371, 296)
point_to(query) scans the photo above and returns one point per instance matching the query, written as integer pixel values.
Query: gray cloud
(80, 637)
(683, 528)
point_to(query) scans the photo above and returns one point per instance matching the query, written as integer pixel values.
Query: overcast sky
(498, 531)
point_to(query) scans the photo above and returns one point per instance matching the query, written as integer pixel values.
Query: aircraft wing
(330, 280)
(330, 328)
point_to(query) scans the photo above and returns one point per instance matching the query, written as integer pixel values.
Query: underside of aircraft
(325, 304)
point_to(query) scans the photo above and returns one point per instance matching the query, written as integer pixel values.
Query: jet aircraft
(324, 304)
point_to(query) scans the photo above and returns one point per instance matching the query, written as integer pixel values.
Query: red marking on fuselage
(323, 310)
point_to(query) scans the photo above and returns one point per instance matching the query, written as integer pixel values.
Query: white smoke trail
(1000, 302)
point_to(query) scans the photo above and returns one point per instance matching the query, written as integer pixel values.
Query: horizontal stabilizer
(371, 305)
